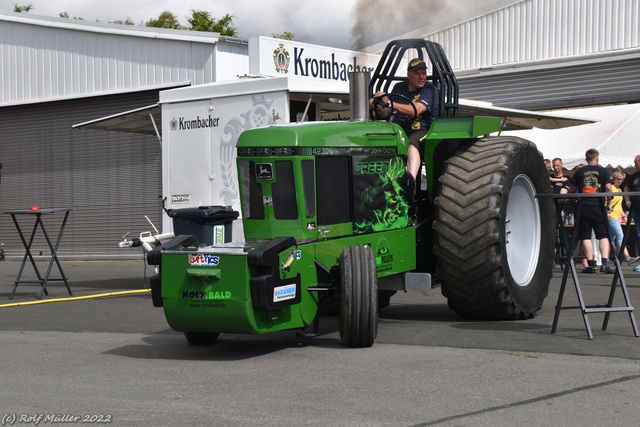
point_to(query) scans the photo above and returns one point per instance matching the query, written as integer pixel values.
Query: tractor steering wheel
(391, 113)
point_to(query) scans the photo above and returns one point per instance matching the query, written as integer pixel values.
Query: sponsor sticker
(282, 293)
(203, 259)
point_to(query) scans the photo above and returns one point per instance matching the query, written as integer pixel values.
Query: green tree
(201, 20)
(127, 21)
(287, 35)
(66, 15)
(165, 20)
(20, 8)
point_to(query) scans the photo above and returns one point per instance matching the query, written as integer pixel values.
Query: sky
(346, 24)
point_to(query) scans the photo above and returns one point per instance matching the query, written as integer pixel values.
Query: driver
(424, 97)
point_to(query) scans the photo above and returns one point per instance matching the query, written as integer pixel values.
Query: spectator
(633, 184)
(593, 178)
(548, 164)
(560, 182)
(560, 185)
(617, 216)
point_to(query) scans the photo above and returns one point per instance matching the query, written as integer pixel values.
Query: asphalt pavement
(106, 355)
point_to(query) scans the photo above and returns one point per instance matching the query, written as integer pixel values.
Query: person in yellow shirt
(617, 216)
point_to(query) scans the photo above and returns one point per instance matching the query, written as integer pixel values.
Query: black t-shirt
(427, 95)
(557, 186)
(632, 183)
(591, 179)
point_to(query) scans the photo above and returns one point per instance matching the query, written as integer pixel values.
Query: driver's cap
(416, 64)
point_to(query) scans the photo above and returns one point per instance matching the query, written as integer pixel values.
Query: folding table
(38, 214)
(569, 244)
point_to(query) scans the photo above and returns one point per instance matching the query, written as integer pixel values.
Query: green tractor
(328, 210)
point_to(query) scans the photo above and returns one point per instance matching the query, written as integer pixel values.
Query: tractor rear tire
(201, 338)
(494, 238)
(358, 296)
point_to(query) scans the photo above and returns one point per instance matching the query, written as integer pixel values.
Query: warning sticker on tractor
(283, 293)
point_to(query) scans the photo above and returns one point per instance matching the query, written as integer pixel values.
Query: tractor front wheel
(494, 237)
(358, 296)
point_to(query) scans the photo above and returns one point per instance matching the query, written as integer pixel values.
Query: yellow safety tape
(46, 301)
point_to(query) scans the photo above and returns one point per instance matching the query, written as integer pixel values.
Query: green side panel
(380, 201)
(394, 250)
(298, 260)
(445, 134)
(211, 292)
(266, 229)
(206, 298)
(270, 228)
(463, 127)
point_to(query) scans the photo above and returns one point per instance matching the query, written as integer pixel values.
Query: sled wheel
(201, 338)
(494, 238)
(358, 296)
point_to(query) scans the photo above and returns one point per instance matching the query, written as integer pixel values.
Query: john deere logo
(264, 171)
(281, 59)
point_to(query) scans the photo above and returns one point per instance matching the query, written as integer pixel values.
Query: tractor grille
(334, 190)
(284, 192)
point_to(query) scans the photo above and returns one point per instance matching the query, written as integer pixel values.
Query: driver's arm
(407, 110)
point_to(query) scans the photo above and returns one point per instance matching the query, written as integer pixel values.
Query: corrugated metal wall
(110, 179)
(541, 29)
(47, 58)
(616, 80)
(50, 73)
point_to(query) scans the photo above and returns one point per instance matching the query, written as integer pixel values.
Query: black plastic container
(212, 225)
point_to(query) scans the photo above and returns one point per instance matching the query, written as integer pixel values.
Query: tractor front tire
(494, 237)
(358, 296)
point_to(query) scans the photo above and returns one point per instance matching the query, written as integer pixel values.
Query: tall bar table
(39, 224)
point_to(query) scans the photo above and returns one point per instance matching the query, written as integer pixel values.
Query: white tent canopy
(616, 135)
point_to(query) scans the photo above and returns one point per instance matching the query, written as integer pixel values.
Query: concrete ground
(110, 356)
